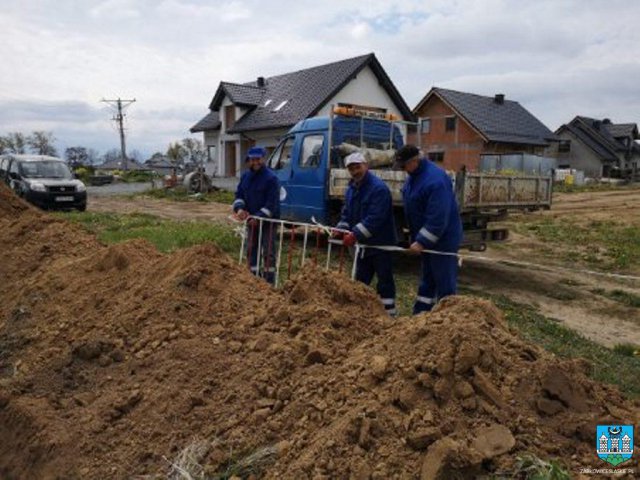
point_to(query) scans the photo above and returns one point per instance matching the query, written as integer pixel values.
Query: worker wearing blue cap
(258, 196)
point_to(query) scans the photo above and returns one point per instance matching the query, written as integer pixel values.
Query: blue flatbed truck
(309, 162)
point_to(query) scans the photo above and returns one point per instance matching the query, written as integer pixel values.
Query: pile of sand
(116, 362)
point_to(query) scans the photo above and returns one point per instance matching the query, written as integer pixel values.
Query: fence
(520, 162)
(263, 241)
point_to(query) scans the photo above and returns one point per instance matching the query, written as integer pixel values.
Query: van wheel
(82, 207)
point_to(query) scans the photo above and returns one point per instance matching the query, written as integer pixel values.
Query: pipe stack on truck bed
(314, 179)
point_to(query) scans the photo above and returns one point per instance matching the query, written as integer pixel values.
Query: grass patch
(626, 298)
(621, 296)
(627, 349)
(166, 235)
(133, 176)
(533, 468)
(609, 365)
(609, 245)
(180, 194)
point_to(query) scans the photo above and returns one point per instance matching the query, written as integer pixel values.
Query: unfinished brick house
(456, 128)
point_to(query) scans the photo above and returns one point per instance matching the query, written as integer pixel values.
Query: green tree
(176, 153)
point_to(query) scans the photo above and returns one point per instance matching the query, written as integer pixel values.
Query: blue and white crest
(614, 443)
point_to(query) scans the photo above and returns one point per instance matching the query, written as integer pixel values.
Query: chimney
(606, 121)
(597, 124)
(261, 82)
(499, 98)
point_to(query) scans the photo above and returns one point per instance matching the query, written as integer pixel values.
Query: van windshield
(45, 169)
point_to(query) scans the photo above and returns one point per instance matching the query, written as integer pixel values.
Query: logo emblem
(62, 189)
(614, 443)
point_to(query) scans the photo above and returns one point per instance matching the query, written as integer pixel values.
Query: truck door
(306, 189)
(280, 163)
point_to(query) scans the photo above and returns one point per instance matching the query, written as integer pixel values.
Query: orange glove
(349, 239)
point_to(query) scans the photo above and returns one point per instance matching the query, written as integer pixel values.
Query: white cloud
(558, 59)
(117, 9)
(360, 30)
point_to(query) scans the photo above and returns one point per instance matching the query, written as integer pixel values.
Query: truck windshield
(45, 169)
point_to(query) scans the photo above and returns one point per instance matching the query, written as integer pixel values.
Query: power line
(121, 105)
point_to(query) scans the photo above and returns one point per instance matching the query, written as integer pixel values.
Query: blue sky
(557, 58)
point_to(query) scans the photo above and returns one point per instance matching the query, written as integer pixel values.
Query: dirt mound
(118, 361)
(10, 204)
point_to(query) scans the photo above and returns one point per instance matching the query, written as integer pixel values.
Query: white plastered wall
(365, 89)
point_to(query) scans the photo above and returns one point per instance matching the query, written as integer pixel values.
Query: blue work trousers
(380, 264)
(439, 279)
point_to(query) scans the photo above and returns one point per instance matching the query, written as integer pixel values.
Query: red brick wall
(461, 146)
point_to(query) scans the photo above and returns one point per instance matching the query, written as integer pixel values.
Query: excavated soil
(122, 362)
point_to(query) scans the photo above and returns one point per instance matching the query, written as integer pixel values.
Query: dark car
(45, 181)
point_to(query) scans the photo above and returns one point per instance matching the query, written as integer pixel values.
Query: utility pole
(121, 105)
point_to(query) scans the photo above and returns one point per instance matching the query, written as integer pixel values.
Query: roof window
(282, 104)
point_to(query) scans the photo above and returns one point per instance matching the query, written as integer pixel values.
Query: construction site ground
(118, 361)
(562, 290)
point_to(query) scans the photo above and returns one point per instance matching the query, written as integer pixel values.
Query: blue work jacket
(431, 208)
(368, 212)
(258, 193)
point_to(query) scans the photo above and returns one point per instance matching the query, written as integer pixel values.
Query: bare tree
(15, 142)
(41, 143)
(194, 149)
(110, 155)
(135, 155)
(93, 156)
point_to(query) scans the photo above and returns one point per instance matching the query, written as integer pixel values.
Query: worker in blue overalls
(258, 196)
(368, 216)
(434, 224)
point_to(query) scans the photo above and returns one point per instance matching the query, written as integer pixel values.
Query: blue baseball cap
(257, 152)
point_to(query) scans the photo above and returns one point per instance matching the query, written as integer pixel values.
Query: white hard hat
(355, 157)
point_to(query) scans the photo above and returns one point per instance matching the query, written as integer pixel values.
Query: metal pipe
(278, 260)
(304, 245)
(242, 243)
(355, 262)
(259, 247)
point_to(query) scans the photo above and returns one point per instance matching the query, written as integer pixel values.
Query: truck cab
(304, 158)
